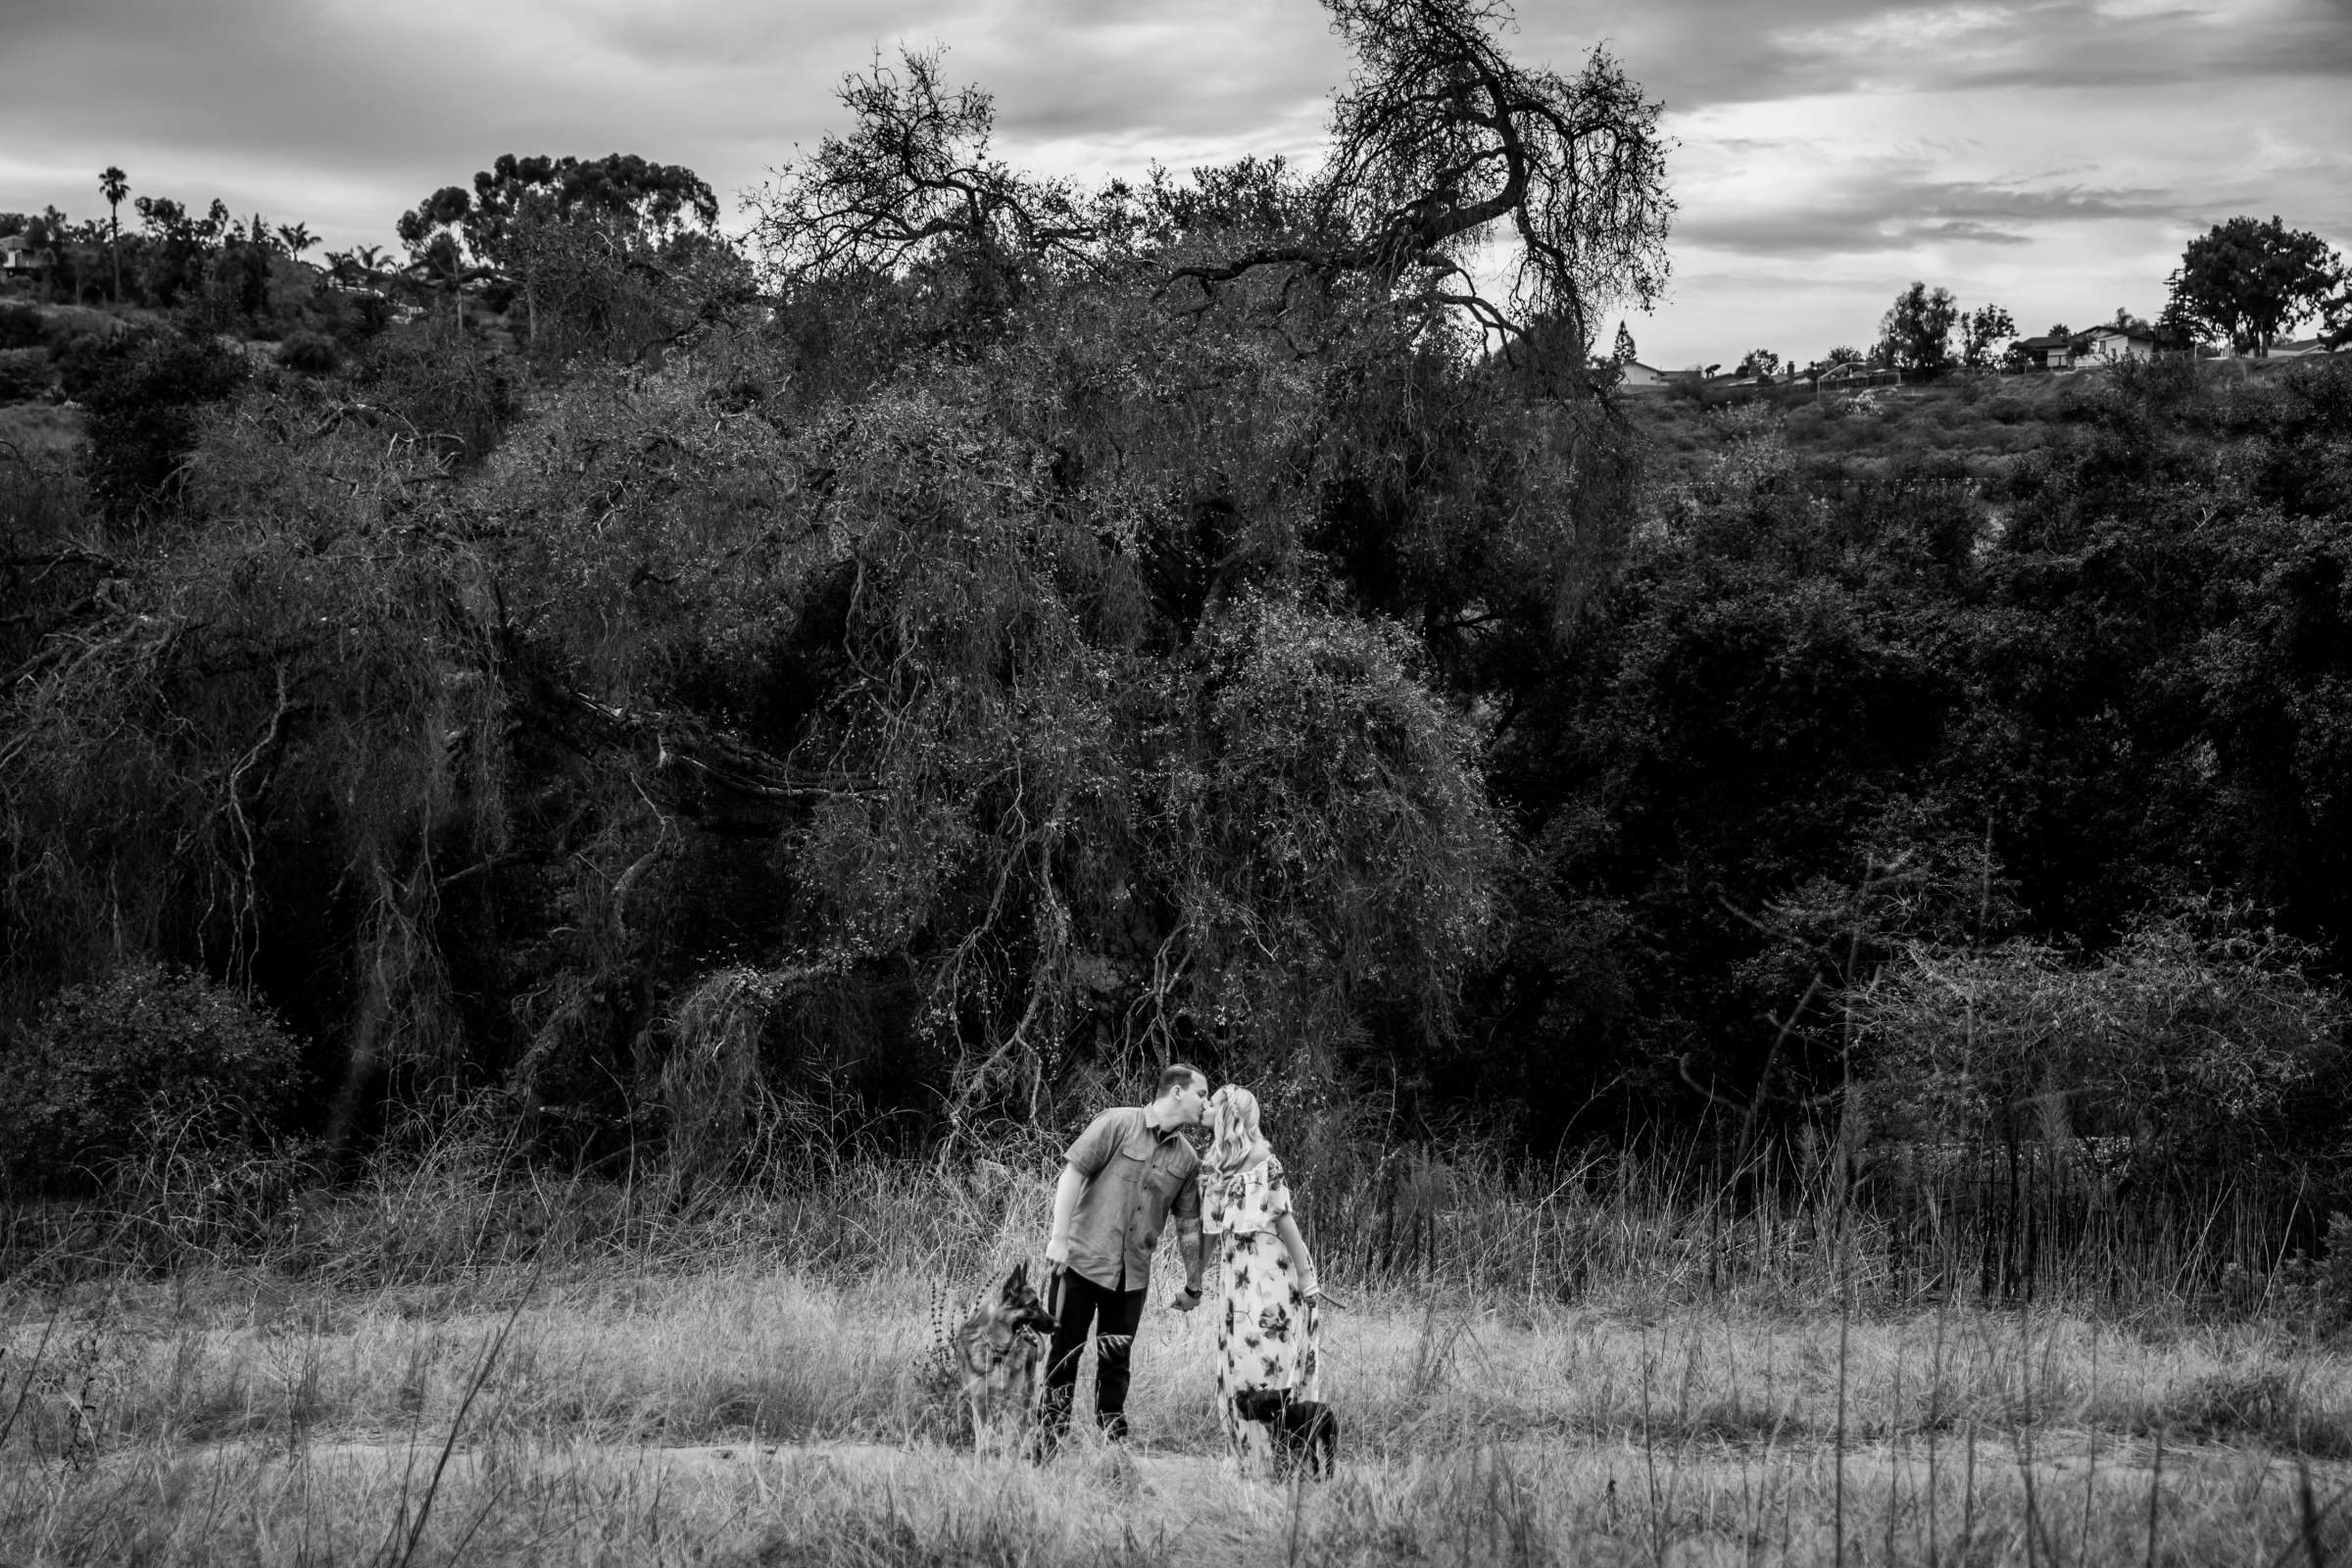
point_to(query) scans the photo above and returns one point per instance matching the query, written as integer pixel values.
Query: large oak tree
(2250, 281)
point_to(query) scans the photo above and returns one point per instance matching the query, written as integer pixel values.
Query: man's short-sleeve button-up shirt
(1135, 1175)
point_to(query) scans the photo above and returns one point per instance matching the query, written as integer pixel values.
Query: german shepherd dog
(997, 1351)
(1306, 1432)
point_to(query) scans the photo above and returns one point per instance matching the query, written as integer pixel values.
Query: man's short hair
(1180, 1075)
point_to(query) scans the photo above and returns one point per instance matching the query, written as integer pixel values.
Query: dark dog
(1306, 1432)
(997, 1351)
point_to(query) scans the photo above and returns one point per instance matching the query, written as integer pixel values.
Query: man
(1119, 1180)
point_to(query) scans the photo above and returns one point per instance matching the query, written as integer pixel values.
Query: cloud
(2028, 147)
(1699, 52)
(346, 108)
(1888, 210)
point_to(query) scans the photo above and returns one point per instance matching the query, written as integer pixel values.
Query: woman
(1266, 1330)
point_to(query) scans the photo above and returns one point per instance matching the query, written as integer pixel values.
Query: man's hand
(1190, 1298)
(1057, 1253)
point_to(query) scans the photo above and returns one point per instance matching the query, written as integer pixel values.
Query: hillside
(1983, 423)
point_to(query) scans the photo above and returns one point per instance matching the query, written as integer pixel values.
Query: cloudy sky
(2052, 156)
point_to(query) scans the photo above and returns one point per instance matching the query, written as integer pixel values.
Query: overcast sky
(2052, 156)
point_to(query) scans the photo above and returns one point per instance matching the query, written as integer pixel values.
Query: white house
(1634, 376)
(2054, 353)
(20, 255)
(2110, 345)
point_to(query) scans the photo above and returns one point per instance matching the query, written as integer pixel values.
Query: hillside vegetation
(863, 714)
(1981, 422)
(894, 679)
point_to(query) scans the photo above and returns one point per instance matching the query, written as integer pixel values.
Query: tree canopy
(2248, 281)
(577, 238)
(636, 200)
(1983, 331)
(1440, 143)
(1916, 334)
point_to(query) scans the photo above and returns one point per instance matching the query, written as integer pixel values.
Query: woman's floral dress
(1265, 1332)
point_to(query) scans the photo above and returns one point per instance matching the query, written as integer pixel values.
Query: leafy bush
(350, 317)
(451, 389)
(24, 374)
(153, 1042)
(19, 326)
(144, 394)
(311, 354)
(2196, 1043)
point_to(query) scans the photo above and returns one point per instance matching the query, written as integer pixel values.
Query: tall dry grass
(460, 1360)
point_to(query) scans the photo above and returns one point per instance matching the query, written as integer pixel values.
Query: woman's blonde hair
(1233, 1127)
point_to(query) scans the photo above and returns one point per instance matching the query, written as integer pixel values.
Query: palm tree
(114, 185)
(353, 267)
(296, 240)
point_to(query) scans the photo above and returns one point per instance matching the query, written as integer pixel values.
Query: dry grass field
(441, 1366)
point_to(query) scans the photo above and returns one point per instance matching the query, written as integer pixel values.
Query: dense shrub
(25, 373)
(152, 1045)
(78, 357)
(62, 324)
(351, 318)
(311, 354)
(2197, 1044)
(452, 389)
(19, 326)
(144, 394)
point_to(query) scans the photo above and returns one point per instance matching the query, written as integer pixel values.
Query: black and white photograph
(1314, 782)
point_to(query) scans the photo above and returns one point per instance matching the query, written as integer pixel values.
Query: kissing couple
(1121, 1179)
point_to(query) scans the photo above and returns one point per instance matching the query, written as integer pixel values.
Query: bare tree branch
(913, 177)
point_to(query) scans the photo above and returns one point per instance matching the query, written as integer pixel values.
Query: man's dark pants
(1078, 1304)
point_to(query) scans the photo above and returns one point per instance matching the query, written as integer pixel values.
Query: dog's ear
(1018, 1283)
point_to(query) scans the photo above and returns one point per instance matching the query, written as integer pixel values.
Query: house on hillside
(1634, 376)
(2055, 353)
(2099, 345)
(2294, 348)
(20, 258)
(2111, 345)
(1851, 376)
